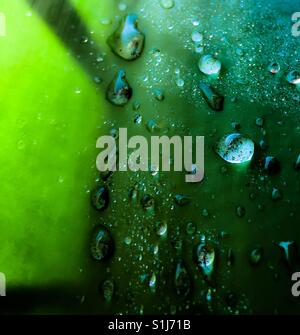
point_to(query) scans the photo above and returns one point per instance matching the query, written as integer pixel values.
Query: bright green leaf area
(49, 112)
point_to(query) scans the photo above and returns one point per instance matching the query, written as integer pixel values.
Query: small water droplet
(180, 82)
(122, 6)
(102, 244)
(108, 290)
(161, 228)
(274, 67)
(256, 256)
(197, 37)
(293, 77)
(119, 92)
(182, 280)
(206, 259)
(100, 198)
(167, 4)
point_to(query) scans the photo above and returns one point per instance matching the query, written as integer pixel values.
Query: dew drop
(235, 148)
(197, 37)
(293, 77)
(209, 65)
(274, 67)
(167, 4)
(119, 91)
(127, 41)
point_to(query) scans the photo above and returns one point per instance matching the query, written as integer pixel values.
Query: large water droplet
(210, 65)
(235, 148)
(102, 244)
(119, 91)
(127, 41)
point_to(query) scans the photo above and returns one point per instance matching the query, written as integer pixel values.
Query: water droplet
(180, 82)
(205, 212)
(191, 228)
(199, 49)
(239, 52)
(167, 4)
(97, 80)
(276, 194)
(182, 280)
(209, 65)
(177, 71)
(159, 95)
(127, 240)
(127, 41)
(274, 67)
(293, 77)
(136, 105)
(108, 288)
(240, 211)
(152, 282)
(152, 126)
(256, 256)
(271, 165)
(134, 194)
(235, 148)
(230, 257)
(263, 145)
(259, 121)
(297, 163)
(289, 250)
(197, 37)
(105, 21)
(148, 202)
(213, 99)
(161, 228)
(138, 119)
(100, 198)
(102, 245)
(119, 91)
(122, 6)
(206, 259)
(195, 22)
(182, 200)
